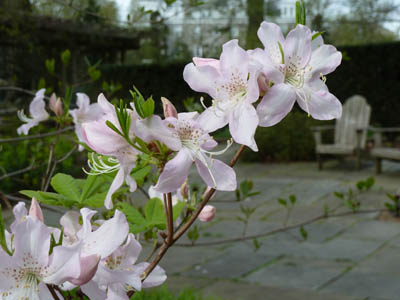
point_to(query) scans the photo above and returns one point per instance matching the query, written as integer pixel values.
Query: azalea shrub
(95, 252)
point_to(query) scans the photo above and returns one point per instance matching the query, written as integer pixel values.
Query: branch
(36, 136)
(53, 292)
(268, 233)
(26, 169)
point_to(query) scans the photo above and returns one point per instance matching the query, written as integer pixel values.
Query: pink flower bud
(207, 213)
(55, 105)
(184, 190)
(89, 265)
(169, 109)
(35, 210)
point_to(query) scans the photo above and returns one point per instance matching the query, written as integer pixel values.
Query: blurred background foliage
(116, 44)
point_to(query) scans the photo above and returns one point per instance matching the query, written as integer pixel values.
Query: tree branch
(36, 136)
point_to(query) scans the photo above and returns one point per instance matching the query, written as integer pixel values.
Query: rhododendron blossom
(195, 145)
(293, 68)
(24, 274)
(232, 83)
(106, 141)
(85, 112)
(36, 110)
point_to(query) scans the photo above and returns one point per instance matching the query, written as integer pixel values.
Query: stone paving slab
(363, 285)
(298, 273)
(373, 230)
(244, 291)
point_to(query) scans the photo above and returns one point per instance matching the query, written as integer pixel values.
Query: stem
(53, 292)
(164, 247)
(36, 136)
(283, 229)
(170, 219)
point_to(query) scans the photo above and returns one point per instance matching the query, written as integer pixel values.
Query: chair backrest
(355, 115)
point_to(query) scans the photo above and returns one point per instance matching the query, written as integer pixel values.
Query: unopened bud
(89, 265)
(169, 109)
(35, 210)
(207, 213)
(184, 190)
(55, 105)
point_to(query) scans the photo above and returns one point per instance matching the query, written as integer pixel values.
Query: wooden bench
(380, 152)
(350, 131)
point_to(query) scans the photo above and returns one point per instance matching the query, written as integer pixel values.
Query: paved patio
(348, 258)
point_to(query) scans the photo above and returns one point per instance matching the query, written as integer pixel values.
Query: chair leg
(358, 163)
(319, 161)
(378, 165)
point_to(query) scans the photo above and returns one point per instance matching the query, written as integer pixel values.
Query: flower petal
(153, 128)
(243, 124)
(269, 68)
(198, 61)
(276, 104)
(115, 229)
(297, 47)
(234, 59)
(223, 177)
(324, 60)
(175, 172)
(322, 105)
(201, 78)
(64, 264)
(212, 119)
(37, 106)
(155, 278)
(92, 290)
(89, 265)
(35, 210)
(271, 35)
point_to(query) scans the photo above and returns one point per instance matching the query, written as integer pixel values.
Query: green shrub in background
(163, 293)
(289, 140)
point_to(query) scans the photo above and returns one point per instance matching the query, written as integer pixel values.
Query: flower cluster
(99, 256)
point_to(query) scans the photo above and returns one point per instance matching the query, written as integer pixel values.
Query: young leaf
(282, 202)
(303, 232)
(65, 185)
(193, 234)
(317, 34)
(96, 200)
(50, 198)
(292, 199)
(177, 209)
(50, 65)
(339, 195)
(140, 174)
(93, 184)
(154, 212)
(65, 57)
(3, 241)
(132, 214)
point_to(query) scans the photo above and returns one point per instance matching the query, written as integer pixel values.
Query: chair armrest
(322, 127)
(317, 137)
(384, 129)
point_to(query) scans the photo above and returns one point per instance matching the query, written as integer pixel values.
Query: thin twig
(17, 89)
(283, 229)
(19, 199)
(26, 169)
(170, 219)
(36, 136)
(53, 292)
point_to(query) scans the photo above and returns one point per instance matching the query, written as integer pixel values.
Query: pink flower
(207, 213)
(232, 83)
(24, 275)
(106, 141)
(293, 68)
(186, 134)
(37, 112)
(85, 112)
(169, 108)
(118, 273)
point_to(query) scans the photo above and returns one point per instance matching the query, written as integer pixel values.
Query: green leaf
(339, 195)
(140, 174)
(177, 209)
(317, 34)
(369, 182)
(41, 84)
(360, 185)
(154, 212)
(65, 185)
(244, 188)
(3, 240)
(392, 197)
(50, 65)
(96, 200)
(282, 202)
(256, 244)
(143, 108)
(65, 57)
(137, 222)
(94, 73)
(390, 206)
(148, 107)
(113, 127)
(292, 199)
(91, 185)
(303, 233)
(193, 234)
(50, 198)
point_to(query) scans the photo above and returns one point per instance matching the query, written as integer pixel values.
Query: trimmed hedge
(372, 71)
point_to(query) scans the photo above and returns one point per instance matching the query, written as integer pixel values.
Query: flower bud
(55, 105)
(184, 190)
(207, 213)
(35, 210)
(169, 109)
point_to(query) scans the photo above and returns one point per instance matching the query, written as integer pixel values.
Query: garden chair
(380, 152)
(350, 131)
